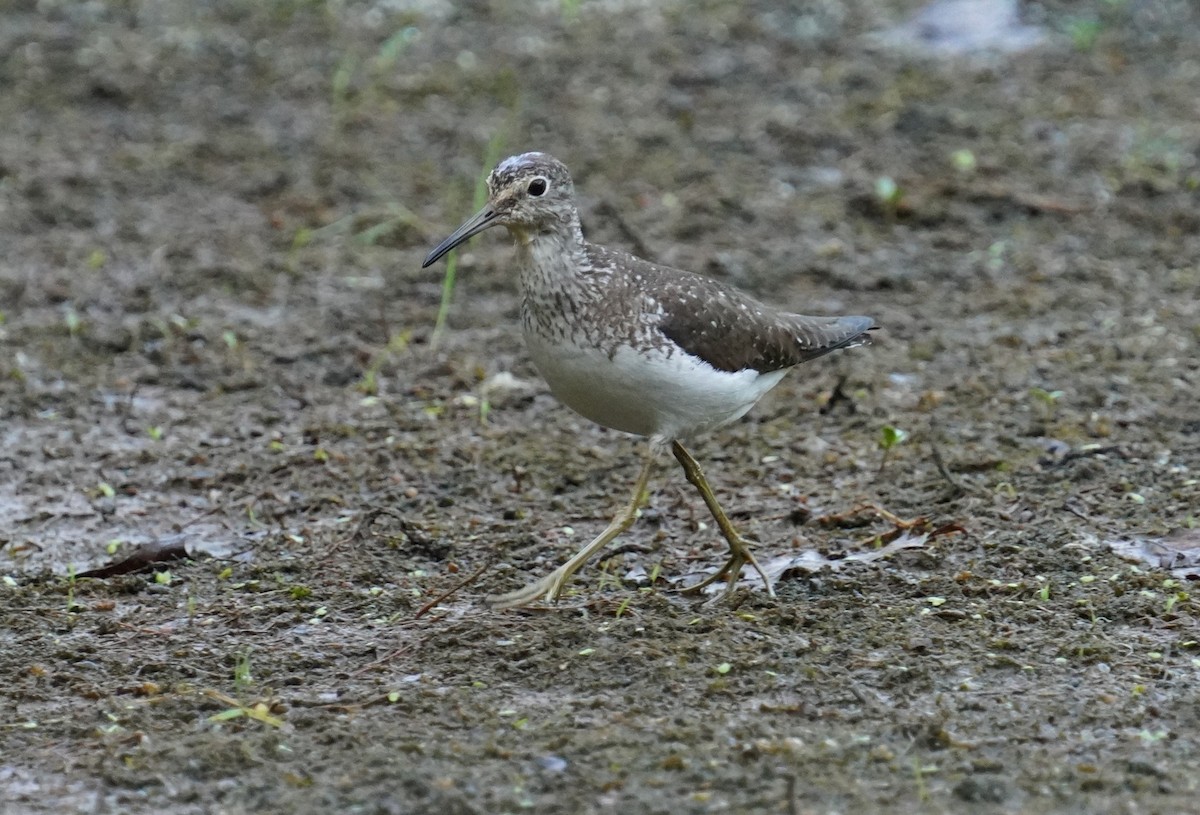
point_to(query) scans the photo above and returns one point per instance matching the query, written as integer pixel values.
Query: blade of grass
(491, 155)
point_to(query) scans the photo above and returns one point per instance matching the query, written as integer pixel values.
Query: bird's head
(529, 193)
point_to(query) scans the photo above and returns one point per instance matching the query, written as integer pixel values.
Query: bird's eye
(537, 186)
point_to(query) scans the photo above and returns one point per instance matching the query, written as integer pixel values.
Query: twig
(143, 557)
(466, 582)
(1088, 452)
(385, 658)
(941, 464)
(127, 411)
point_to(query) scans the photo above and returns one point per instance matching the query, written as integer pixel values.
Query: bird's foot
(739, 556)
(548, 588)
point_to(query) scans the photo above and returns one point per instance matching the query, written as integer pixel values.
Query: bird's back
(728, 329)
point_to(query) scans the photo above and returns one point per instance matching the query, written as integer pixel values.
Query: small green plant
(73, 322)
(890, 438)
(448, 281)
(368, 384)
(1084, 32)
(339, 83)
(996, 256)
(888, 194)
(919, 771)
(398, 216)
(1045, 402)
(963, 161)
(242, 678)
(1046, 397)
(259, 712)
(1007, 489)
(392, 48)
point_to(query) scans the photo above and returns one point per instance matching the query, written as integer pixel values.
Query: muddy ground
(216, 335)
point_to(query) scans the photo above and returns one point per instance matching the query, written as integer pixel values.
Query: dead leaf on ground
(164, 550)
(1178, 552)
(912, 534)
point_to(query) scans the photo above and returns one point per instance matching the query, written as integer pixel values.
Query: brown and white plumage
(630, 344)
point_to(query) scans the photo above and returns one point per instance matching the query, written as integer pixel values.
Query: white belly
(669, 397)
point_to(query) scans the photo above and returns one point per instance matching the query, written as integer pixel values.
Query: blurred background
(214, 329)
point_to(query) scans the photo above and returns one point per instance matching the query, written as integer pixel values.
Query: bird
(638, 347)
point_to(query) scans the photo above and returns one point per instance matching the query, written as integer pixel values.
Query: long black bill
(473, 226)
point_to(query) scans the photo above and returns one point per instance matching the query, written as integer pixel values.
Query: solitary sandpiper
(638, 347)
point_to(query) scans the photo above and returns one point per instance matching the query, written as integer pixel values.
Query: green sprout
(963, 161)
(73, 322)
(242, 678)
(889, 438)
(368, 385)
(888, 194)
(393, 47)
(1084, 32)
(1046, 401)
(339, 84)
(1046, 397)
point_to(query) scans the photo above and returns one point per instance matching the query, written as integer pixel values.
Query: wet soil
(216, 335)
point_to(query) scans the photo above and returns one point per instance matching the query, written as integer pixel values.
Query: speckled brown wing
(733, 331)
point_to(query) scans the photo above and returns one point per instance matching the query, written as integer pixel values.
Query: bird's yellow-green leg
(552, 585)
(739, 547)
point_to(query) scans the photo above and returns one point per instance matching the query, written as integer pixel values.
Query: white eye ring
(538, 186)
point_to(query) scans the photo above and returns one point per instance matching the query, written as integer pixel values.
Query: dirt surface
(216, 336)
